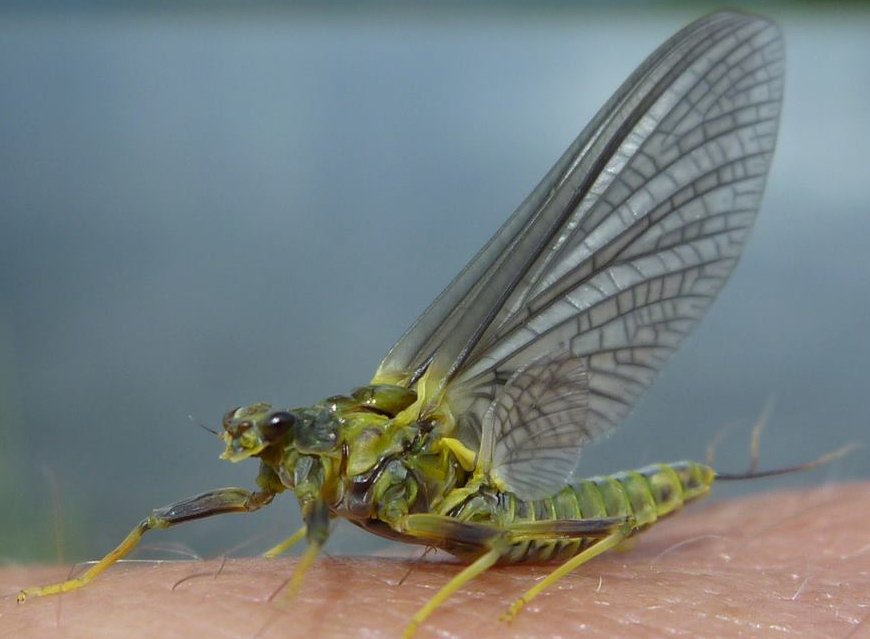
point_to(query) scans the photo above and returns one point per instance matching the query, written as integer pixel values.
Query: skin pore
(776, 564)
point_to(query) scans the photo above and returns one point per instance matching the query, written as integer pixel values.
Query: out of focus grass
(34, 526)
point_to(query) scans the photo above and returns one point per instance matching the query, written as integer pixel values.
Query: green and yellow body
(358, 457)
(382, 470)
(467, 437)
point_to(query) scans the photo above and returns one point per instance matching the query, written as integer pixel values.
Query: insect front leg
(215, 502)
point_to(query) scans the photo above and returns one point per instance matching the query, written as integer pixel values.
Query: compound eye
(229, 418)
(277, 425)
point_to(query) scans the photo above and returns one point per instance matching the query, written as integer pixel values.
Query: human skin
(778, 564)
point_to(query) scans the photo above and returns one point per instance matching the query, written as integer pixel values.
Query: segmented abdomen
(645, 495)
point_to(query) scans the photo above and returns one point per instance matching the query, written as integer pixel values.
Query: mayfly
(467, 437)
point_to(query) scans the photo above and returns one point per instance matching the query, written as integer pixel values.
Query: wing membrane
(612, 259)
(534, 419)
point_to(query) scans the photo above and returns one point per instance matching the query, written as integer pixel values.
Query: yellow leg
(287, 544)
(572, 564)
(305, 562)
(216, 502)
(123, 549)
(438, 529)
(481, 564)
(307, 559)
(316, 515)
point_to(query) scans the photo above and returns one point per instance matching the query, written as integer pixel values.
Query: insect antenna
(203, 426)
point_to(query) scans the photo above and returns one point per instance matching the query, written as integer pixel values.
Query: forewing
(450, 327)
(614, 257)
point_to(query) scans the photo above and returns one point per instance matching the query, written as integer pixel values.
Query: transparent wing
(536, 413)
(611, 260)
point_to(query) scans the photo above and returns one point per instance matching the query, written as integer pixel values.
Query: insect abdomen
(654, 491)
(645, 495)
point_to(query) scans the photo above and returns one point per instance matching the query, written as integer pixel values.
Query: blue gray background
(207, 208)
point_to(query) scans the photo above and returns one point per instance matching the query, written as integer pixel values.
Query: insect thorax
(351, 452)
(390, 470)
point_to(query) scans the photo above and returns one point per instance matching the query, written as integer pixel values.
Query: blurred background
(214, 205)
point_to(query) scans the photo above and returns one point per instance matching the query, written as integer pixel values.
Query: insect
(467, 437)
